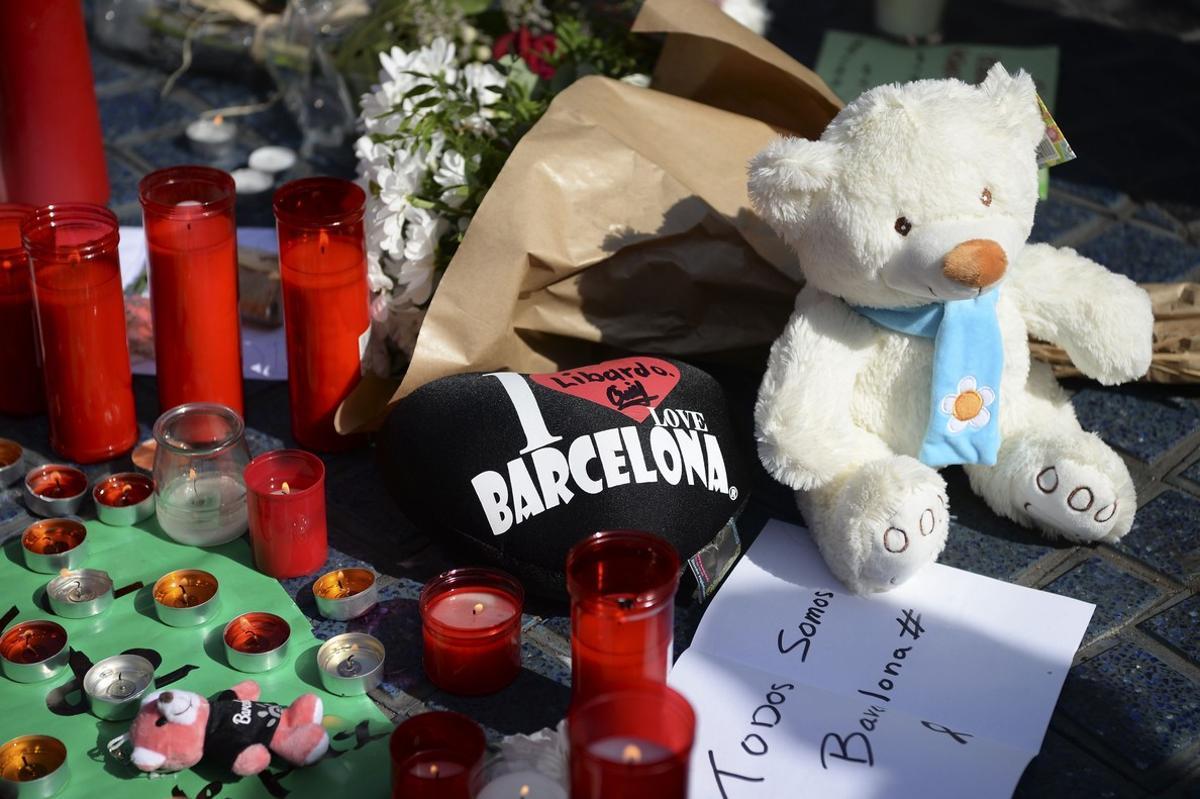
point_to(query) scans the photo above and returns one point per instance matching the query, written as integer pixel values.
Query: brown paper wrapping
(621, 221)
(1176, 357)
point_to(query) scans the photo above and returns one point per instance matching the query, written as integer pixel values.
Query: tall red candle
(622, 585)
(436, 756)
(81, 326)
(471, 629)
(633, 743)
(192, 242)
(285, 495)
(323, 265)
(51, 149)
(19, 360)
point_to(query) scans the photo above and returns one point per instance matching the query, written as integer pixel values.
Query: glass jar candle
(19, 359)
(191, 239)
(286, 503)
(81, 325)
(622, 585)
(200, 494)
(471, 630)
(634, 743)
(436, 755)
(323, 266)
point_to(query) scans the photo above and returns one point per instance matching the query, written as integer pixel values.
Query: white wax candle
(251, 181)
(526, 784)
(211, 131)
(626, 749)
(206, 511)
(272, 159)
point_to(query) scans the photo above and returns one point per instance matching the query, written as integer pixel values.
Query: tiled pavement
(1128, 721)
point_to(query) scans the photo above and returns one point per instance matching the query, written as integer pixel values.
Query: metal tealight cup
(80, 593)
(12, 461)
(351, 663)
(345, 593)
(33, 767)
(115, 686)
(33, 651)
(55, 489)
(256, 641)
(51, 545)
(186, 597)
(124, 499)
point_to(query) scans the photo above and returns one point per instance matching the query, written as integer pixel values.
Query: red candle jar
(622, 585)
(192, 242)
(81, 324)
(19, 361)
(323, 265)
(436, 756)
(51, 148)
(471, 625)
(285, 495)
(634, 743)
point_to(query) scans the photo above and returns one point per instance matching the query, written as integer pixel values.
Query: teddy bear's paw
(1076, 501)
(896, 516)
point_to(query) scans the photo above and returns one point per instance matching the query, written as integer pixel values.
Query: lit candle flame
(323, 241)
(218, 120)
(433, 770)
(524, 791)
(285, 488)
(631, 754)
(478, 608)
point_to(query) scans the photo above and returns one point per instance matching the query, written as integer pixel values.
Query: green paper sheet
(852, 63)
(357, 764)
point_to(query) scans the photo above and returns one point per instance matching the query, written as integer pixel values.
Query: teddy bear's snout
(976, 263)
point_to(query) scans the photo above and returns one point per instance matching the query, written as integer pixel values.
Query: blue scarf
(968, 359)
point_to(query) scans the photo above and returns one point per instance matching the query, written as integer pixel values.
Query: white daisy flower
(968, 406)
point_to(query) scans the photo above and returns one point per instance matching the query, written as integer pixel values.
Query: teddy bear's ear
(1016, 98)
(784, 176)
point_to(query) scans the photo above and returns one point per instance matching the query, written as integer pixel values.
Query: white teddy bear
(908, 347)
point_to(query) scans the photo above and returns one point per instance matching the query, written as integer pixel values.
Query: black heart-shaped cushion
(518, 468)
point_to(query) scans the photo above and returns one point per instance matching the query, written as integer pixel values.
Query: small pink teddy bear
(175, 729)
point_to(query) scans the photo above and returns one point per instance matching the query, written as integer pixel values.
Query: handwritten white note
(940, 688)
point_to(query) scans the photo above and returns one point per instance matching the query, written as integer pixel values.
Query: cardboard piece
(357, 766)
(621, 221)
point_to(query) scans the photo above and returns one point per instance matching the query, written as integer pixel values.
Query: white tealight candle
(212, 138)
(205, 510)
(272, 159)
(632, 751)
(528, 784)
(251, 181)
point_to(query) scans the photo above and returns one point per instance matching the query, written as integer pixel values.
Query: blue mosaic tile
(1165, 534)
(1136, 703)
(218, 93)
(173, 149)
(1099, 195)
(1063, 769)
(141, 111)
(1118, 596)
(1145, 427)
(1158, 217)
(1179, 626)
(122, 180)
(982, 542)
(109, 72)
(1141, 254)
(1192, 472)
(1054, 218)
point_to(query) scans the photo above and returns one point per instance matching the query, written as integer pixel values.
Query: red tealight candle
(81, 322)
(192, 243)
(622, 585)
(471, 624)
(286, 503)
(634, 743)
(436, 756)
(323, 266)
(19, 362)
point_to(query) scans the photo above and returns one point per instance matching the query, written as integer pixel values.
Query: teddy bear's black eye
(903, 226)
(985, 196)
